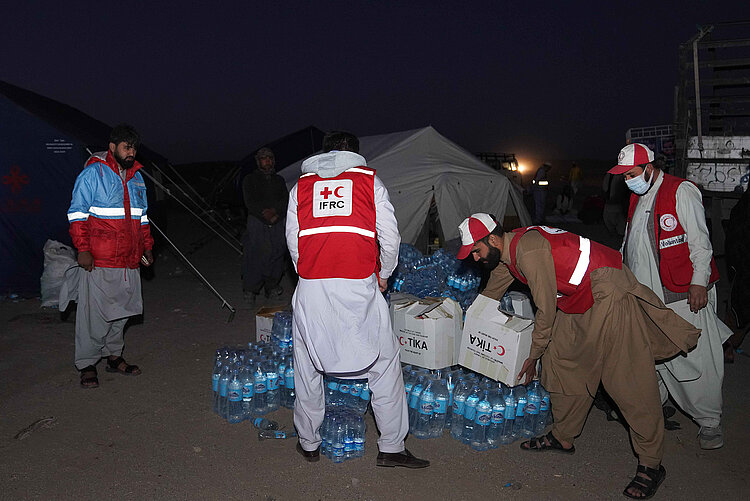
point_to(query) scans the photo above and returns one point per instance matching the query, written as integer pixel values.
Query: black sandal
(89, 381)
(647, 485)
(539, 445)
(113, 365)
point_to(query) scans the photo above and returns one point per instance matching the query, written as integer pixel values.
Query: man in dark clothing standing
(266, 198)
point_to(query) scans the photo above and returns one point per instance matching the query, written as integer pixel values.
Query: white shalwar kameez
(695, 380)
(342, 326)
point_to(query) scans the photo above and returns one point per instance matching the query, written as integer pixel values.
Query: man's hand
(86, 260)
(383, 284)
(149, 258)
(697, 297)
(270, 215)
(528, 369)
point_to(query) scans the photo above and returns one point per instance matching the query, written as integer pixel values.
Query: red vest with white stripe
(575, 258)
(337, 236)
(675, 267)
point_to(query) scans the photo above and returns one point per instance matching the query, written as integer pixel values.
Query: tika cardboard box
(264, 322)
(428, 330)
(493, 343)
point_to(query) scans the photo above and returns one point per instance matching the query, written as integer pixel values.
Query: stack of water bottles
(478, 411)
(252, 382)
(343, 428)
(438, 275)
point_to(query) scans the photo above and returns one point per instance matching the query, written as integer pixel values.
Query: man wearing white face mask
(667, 247)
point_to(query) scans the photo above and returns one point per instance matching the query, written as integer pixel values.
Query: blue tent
(43, 146)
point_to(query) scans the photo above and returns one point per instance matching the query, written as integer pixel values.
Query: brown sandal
(88, 377)
(120, 365)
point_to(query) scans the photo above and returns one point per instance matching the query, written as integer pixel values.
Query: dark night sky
(215, 80)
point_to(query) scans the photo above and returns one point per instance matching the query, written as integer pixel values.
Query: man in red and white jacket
(110, 229)
(668, 248)
(343, 237)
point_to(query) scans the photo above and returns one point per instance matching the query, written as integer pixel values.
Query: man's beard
(125, 163)
(492, 259)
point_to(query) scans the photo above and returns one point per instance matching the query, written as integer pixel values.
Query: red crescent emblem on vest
(668, 222)
(336, 191)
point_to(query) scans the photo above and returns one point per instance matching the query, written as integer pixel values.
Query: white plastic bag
(58, 258)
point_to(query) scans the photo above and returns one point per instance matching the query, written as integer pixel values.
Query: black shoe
(405, 459)
(275, 292)
(310, 456)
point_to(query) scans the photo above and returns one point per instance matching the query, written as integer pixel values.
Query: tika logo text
(485, 345)
(412, 342)
(332, 198)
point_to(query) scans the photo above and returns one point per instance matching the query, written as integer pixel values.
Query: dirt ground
(155, 437)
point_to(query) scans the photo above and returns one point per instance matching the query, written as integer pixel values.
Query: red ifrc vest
(675, 267)
(575, 258)
(337, 236)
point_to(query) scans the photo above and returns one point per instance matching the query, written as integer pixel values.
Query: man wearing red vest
(594, 323)
(343, 237)
(668, 248)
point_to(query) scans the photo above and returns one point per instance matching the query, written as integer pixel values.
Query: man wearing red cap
(594, 323)
(667, 247)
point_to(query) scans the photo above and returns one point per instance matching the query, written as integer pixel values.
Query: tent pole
(225, 303)
(219, 222)
(168, 192)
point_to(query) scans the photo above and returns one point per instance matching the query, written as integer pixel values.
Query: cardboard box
(264, 322)
(494, 344)
(429, 330)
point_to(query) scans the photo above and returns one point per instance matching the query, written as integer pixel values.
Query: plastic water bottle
(544, 413)
(226, 374)
(425, 408)
(275, 434)
(349, 433)
(459, 403)
(470, 414)
(416, 390)
(215, 376)
(345, 385)
(248, 384)
(282, 380)
(261, 423)
(325, 434)
(272, 382)
(533, 406)
(364, 398)
(521, 402)
(482, 423)
(337, 448)
(332, 392)
(259, 398)
(450, 379)
(440, 408)
(497, 418)
(510, 417)
(409, 382)
(289, 377)
(235, 413)
(359, 437)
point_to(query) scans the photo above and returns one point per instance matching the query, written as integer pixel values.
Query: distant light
(543, 183)
(521, 167)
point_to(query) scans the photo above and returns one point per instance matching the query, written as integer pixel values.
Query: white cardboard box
(428, 330)
(264, 322)
(493, 343)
